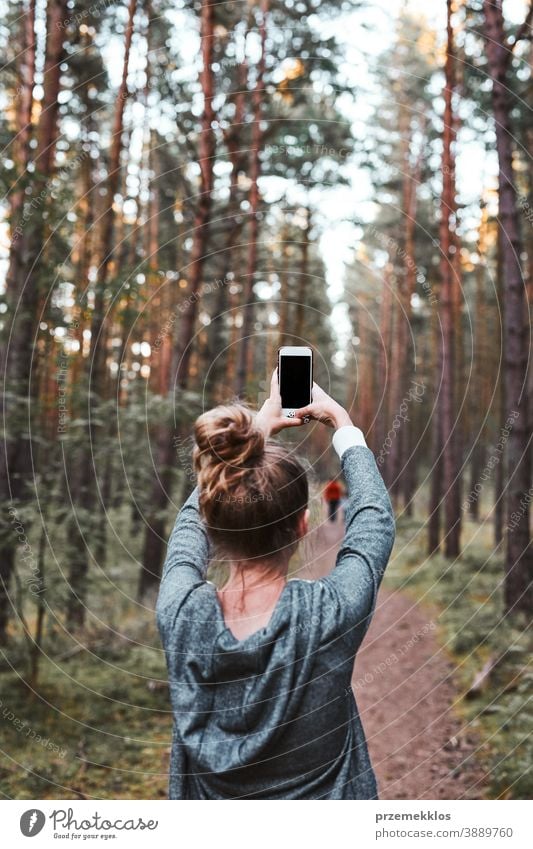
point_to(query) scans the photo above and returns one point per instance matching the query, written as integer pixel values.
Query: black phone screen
(295, 381)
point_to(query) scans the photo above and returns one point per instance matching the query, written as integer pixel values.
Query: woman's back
(273, 715)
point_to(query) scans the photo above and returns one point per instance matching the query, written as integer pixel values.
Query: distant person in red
(333, 494)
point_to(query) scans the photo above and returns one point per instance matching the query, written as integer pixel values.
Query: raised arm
(369, 534)
(370, 530)
(186, 562)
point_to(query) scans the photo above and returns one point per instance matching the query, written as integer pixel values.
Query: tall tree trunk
(233, 140)
(87, 522)
(518, 560)
(499, 481)
(207, 147)
(365, 373)
(403, 305)
(23, 307)
(284, 292)
(97, 356)
(398, 341)
(165, 450)
(303, 280)
(435, 495)
(448, 248)
(479, 400)
(83, 256)
(384, 360)
(410, 203)
(255, 173)
(21, 146)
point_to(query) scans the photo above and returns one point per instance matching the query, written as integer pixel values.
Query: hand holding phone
(269, 418)
(324, 409)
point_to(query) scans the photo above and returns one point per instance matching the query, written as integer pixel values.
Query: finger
(274, 385)
(295, 422)
(318, 392)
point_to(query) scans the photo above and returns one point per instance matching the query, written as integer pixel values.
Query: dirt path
(405, 693)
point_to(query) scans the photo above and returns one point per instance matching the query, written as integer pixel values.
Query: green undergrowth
(98, 724)
(467, 596)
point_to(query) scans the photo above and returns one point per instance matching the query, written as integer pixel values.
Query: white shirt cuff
(346, 437)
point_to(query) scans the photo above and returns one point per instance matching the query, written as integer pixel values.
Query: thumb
(309, 410)
(274, 385)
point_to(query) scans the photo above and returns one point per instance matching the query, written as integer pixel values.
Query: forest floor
(405, 690)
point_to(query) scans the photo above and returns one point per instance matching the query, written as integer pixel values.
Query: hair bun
(251, 491)
(227, 435)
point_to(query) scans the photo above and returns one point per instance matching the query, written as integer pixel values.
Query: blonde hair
(252, 491)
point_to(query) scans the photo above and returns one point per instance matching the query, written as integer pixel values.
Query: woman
(260, 671)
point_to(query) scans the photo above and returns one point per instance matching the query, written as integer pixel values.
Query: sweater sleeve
(368, 538)
(186, 562)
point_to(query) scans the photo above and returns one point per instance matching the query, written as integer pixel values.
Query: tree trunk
(435, 497)
(410, 203)
(479, 401)
(448, 247)
(303, 281)
(97, 358)
(165, 457)
(403, 306)
(385, 335)
(207, 147)
(23, 307)
(518, 560)
(21, 146)
(88, 529)
(233, 139)
(284, 292)
(499, 482)
(255, 173)
(83, 257)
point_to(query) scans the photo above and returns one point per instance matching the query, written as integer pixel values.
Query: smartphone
(295, 377)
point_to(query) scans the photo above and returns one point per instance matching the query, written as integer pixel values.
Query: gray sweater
(273, 716)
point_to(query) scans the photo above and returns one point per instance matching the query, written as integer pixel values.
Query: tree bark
(255, 173)
(303, 281)
(499, 482)
(448, 267)
(87, 524)
(97, 357)
(22, 151)
(479, 400)
(233, 139)
(284, 292)
(518, 560)
(23, 307)
(385, 353)
(410, 203)
(165, 457)
(400, 339)
(206, 151)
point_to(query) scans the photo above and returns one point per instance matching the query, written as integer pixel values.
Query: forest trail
(405, 693)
